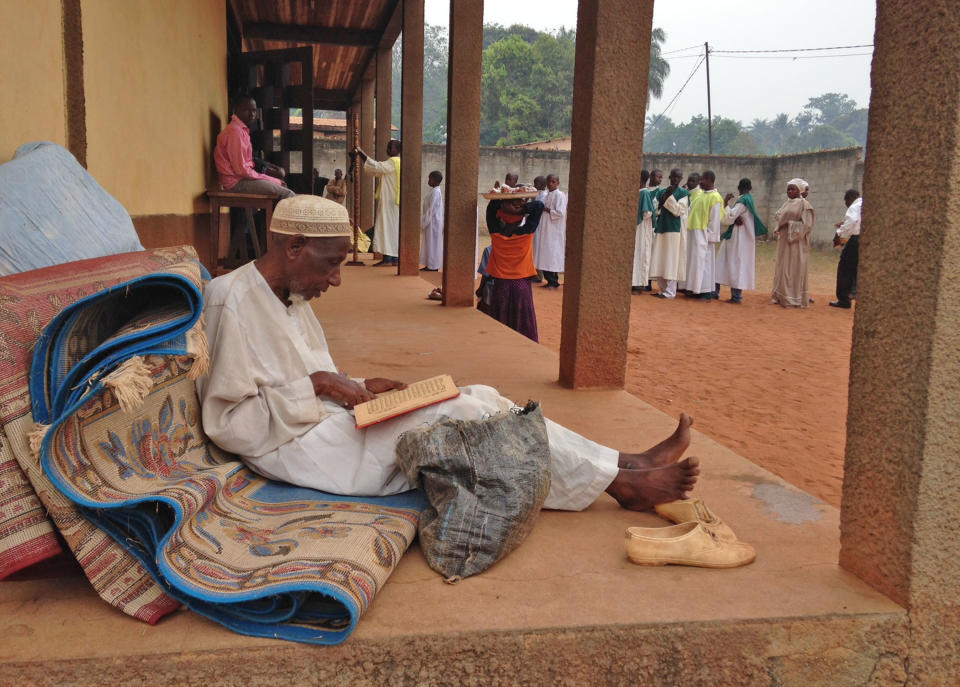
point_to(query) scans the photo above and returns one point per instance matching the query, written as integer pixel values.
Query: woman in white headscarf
(794, 228)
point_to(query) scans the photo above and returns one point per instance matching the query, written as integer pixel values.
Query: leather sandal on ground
(688, 544)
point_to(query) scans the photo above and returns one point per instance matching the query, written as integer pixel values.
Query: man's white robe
(549, 251)
(736, 259)
(541, 196)
(701, 254)
(643, 245)
(668, 260)
(386, 233)
(258, 403)
(431, 229)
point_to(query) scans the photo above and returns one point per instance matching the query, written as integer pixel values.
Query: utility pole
(706, 47)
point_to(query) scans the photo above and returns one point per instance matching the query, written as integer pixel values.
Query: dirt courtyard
(768, 382)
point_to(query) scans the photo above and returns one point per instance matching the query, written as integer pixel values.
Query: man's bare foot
(666, 452)
(644, 489)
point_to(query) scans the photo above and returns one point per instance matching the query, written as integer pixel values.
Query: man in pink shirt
(234, 156)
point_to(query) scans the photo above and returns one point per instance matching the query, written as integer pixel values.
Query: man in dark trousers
(848, 234)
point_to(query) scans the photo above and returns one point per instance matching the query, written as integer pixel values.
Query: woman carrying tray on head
(512, 223)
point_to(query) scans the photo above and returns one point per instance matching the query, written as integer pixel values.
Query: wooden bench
(220, 237)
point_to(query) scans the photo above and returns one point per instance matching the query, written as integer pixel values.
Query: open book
(394, 403)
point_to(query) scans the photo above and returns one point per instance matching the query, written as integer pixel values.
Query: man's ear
(295, 245)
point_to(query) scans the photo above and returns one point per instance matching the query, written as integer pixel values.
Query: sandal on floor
(436, 294)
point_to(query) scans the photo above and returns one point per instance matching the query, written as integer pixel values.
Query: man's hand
(358, 151)
(668, 191)
(340, 389)
(378, 385)
(738, 221)
(837, 240)
(728, 198)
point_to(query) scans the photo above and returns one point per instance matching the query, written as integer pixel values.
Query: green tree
(829, 106)
(659, 67)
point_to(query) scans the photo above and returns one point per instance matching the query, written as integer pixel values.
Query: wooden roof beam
(311, 34)
(393, 27)
(330, 99)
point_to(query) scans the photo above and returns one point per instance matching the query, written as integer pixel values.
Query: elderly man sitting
(275, 397)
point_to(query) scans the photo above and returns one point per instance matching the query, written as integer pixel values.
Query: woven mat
(261, 558)
(28, 302)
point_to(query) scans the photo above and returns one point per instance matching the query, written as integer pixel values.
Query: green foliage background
(528, 96)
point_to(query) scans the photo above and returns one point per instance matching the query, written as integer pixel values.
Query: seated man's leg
(334, 456)
(264, 186)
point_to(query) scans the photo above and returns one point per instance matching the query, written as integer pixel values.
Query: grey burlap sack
(486, 481)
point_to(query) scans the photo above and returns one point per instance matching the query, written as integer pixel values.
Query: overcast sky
(743, 87)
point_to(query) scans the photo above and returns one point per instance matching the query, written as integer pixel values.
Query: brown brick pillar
(353, 111)
(463, 152)
(900, 514)
(367, 144)
(411, 127)
(605, 163)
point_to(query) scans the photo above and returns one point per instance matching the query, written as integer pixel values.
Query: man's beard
(296, 299)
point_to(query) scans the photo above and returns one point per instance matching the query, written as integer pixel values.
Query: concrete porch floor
(566, 608)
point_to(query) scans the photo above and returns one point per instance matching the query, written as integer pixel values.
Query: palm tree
(659, 67)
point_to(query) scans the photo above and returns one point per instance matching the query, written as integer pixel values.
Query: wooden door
(281, 81)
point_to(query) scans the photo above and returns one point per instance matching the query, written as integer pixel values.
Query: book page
(416, 395)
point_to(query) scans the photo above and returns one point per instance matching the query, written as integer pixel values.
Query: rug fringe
(35, 439)
(131, 382)
(198, 347)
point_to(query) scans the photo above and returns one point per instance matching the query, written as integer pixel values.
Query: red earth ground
(768, 382)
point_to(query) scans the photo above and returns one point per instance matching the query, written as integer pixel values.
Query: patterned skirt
(512, 304)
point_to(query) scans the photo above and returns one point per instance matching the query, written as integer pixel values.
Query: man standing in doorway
(549, 254)
(386, 237)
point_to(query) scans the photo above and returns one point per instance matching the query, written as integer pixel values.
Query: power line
(787, 57)
(690, 47)
(834, 47)
(667, 108)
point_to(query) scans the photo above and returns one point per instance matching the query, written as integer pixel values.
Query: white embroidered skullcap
(310, 215)
(799, 183)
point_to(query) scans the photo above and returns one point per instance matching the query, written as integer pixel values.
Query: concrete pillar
(900, 515)
(411, 128)
(384, 99)
(367, 144)
(605, 163)
(463, 152)
(353, 112)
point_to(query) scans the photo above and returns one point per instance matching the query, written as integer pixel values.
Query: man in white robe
(431, 225)
(548, 253)
(274, 396)
(386, 227)
(668, 260)
(736, 259)
(643, 238)
(703, 233)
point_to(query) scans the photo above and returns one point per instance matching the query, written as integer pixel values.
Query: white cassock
(431, 229)
(736, 259)
(258, 403)
(668, 260)
(541, 196)
(643, 245)
(549, 251)
(701, 253)
(386, 233)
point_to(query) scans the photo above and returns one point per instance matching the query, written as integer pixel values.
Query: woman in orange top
(512, 224)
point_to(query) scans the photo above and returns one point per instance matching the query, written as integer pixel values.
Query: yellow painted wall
(31, 74)
(155, 72)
